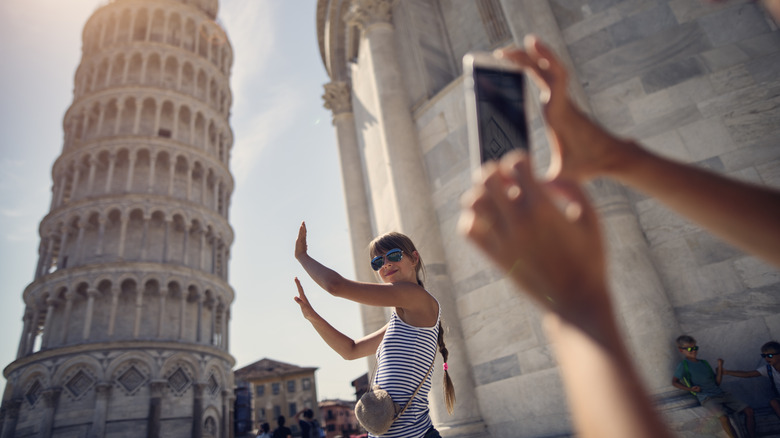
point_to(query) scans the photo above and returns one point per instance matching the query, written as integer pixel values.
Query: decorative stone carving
(338, 98)
(364, 13)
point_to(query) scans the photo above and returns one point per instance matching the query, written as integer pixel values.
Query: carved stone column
(26, 328)
(409, 186)
(155, 408)
(52, 303)
(70, 296)
(338, 99)
(11, 417)
(115, 291)
(197, 410)
(98, 427)
(51, 399)
(91, 295)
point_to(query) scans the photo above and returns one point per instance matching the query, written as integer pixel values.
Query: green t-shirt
(699, 374)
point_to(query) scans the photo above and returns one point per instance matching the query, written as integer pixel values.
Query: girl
(405, 347)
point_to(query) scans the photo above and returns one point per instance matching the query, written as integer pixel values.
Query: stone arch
(184, 124)
(148, 117)
(131, 372)
(93, 115)
(127, 117)
(31, 384)
(188, 78)
(101, 80)
(201, 84)
(123, 31)
(118, 70)
(154, 70)
(190, 35)
(167, 119)
(174, 30)
(67, 371)
(171, 73)
(135, 68)
(157, 31)
(124, 321)
(110, 118)
(211, 421)
(140, 27)
(180, 371)
(203, 41)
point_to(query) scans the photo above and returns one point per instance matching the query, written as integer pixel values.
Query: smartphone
(495, 107)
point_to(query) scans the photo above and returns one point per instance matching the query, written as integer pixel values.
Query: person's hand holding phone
(581, 149)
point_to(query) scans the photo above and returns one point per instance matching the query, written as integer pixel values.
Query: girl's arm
(409, 296)
(340, 343)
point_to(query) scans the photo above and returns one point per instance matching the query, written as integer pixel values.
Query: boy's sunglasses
(769, 355)
(689, 349)
(394, 255)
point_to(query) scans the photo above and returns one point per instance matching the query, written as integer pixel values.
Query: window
(275, 388)
(293, 409)
(291, 386)
(260, 390)
(306, 384)
(277, 411)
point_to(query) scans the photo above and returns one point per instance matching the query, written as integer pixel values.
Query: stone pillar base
(475, 429)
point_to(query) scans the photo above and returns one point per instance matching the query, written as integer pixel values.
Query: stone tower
(126, 321)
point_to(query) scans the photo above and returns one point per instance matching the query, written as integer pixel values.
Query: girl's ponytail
(449, 388)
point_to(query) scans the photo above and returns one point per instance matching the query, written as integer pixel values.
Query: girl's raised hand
(306, 309)
(300, 243)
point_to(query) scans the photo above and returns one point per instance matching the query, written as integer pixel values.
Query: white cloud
(256, 132)
(251, 29)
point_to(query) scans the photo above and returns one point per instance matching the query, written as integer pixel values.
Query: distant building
(279, 388)
(339, 416)
(361, 386)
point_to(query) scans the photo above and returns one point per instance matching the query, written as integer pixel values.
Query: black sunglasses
(694, 348)
(769, 355)
(394, 255)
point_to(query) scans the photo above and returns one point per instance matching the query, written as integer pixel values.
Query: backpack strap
(687, 376)
(772, 379)
(687, 380)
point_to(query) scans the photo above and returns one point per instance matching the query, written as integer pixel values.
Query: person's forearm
(325, 277)
(591, 357)
(743, 214)
(735, 373)
(339, 342)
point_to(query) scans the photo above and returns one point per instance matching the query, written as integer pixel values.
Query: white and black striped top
(403, 359)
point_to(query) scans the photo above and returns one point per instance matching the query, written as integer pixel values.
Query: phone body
(495, 107)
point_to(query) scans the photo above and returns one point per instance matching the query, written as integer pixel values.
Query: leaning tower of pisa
(126, 319)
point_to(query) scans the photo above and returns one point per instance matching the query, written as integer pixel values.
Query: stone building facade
(126, 320)
(279, 388)
(339, 418)
(692, 80)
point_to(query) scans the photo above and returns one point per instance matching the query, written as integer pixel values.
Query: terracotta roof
(269, 368)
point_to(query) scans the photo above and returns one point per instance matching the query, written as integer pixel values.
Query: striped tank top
(403, 359)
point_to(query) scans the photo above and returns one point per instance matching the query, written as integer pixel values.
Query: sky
(284, 162)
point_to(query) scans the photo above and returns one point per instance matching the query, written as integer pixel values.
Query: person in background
(265, 431)
(281, 430)
(697, 376)
(770, 370)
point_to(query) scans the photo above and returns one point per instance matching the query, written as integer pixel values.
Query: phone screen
(500, 112)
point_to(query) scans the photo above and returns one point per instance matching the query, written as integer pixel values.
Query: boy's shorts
(717, 405)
